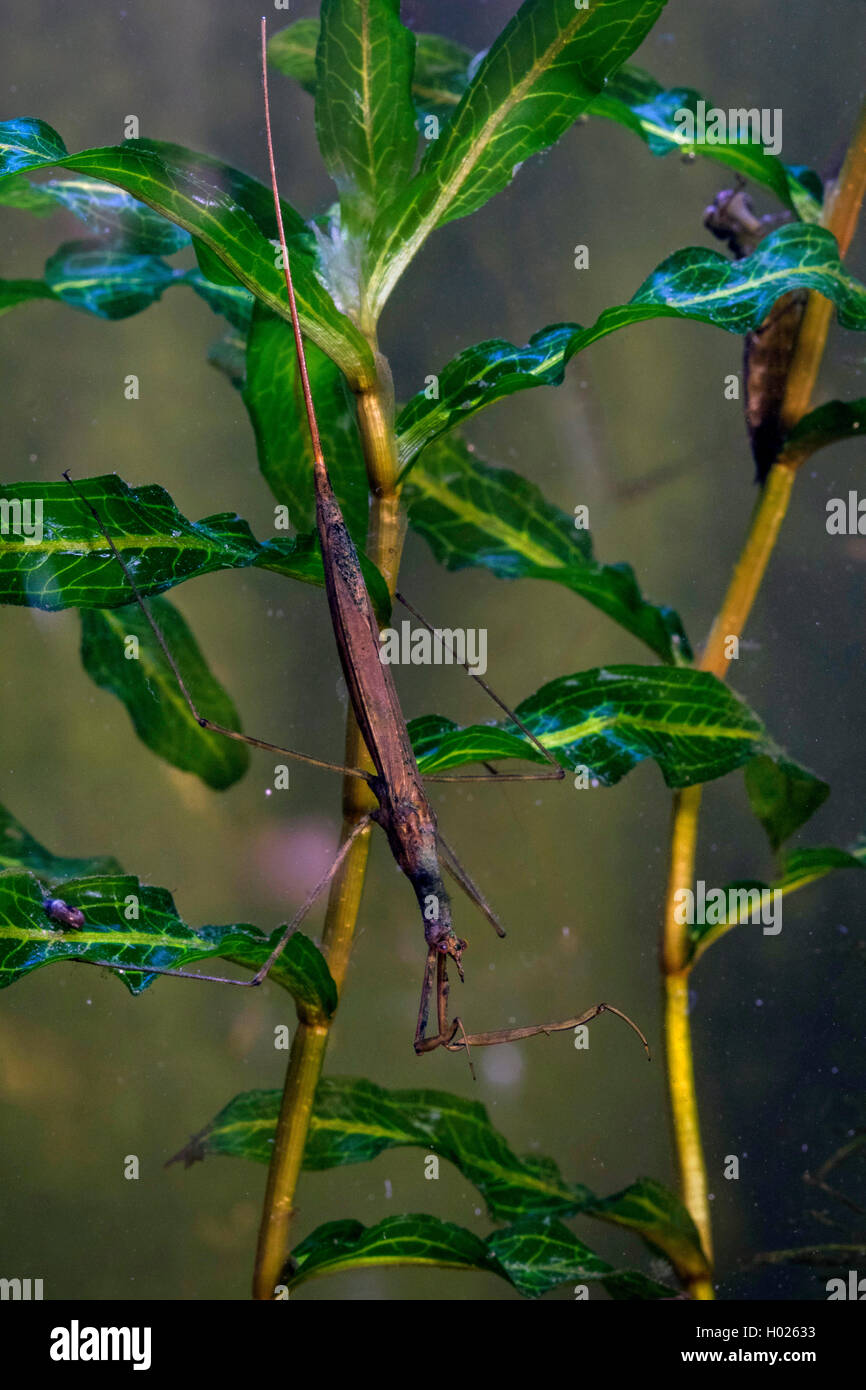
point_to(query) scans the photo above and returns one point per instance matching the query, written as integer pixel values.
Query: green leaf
(354, 1120)
(828, 424)
(543, 70)
(783, 796)
(537, 1255)
(101, 278)
(441, 75)
(533, 1256)
(155, 937)
(692, 284)
(632, 97)
(660, 1218)
(439, 79)
(120, 653)
(627, 1285)
(292, 51)
(55, 556)
(635, 99)
(398, 1240)
(799, 868)
(15, 292)
(365, 120)
(474, 515)
(808, 864)
(21, 193)
(610, 719)
(275, 402)
(106, 211)
(232, 301)
(110, 283)
(230, 212)
(28, 142)
(211, 266)
(19, 850)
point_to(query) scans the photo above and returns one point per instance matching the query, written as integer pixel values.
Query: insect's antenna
(318, 456)
(139, 598)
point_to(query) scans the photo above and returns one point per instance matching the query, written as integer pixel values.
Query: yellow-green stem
(840, 216)
(384, 546)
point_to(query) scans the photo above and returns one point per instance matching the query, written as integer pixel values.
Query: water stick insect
(403, 808)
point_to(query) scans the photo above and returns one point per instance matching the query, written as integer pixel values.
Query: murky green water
(87, 1075)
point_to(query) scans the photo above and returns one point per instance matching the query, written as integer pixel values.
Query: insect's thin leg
(466, 1042)
(275, 953)
(424, 1007)
(159, 970)
(555, 772)
(506, 1035)
(166, 651)
(436, 965)
(443, 989)
(470, 888)
(446, 1032)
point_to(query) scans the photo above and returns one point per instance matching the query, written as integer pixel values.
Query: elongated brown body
(404, 811)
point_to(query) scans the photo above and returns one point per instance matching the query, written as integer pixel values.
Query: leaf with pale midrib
(102, 278)
(229, 211)
(534, 1256)
(439, 78)
(133, 925)
(354, 1120)
(537, 77)
(475, 515)
(365, 120)
(799, 868)
(71, 566)
(695, 283)
(636, 100)
(107, 212)
(632, 97)
(609, 719)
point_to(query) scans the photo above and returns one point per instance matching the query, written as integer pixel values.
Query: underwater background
(641, 433)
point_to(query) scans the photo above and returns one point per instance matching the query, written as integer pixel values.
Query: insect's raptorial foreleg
(506, 1035)
(554, 773)
(200, 719)
(452, 864)
(263, 971)
(435, 966)
(447, 1031)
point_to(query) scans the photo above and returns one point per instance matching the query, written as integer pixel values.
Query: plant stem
(384, 546)
(840, 217)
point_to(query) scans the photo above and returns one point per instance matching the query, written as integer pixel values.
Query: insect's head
(438, 931)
